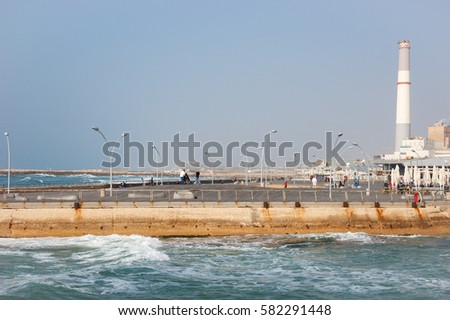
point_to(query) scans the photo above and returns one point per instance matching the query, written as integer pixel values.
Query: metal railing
(224, 195)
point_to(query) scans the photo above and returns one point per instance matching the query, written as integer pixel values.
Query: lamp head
(6, 134)
(95, 128)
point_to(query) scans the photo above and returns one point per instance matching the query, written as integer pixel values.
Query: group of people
(184, 177)
(335, 183)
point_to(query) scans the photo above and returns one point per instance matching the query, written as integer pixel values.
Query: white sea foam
(26, 179)
(358, 237)
(44, 175)
(78, 262)
(117, 249)
(409, 236)
(114, 286)
(353, 237)
(84, 175)
(112, 249)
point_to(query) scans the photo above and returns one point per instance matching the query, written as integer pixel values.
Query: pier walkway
(216, 194)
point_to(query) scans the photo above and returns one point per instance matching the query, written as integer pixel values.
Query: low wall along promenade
(188, 212)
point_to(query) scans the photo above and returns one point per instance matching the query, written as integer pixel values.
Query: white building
(417, 147)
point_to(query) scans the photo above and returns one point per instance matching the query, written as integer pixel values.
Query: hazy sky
(226, 70)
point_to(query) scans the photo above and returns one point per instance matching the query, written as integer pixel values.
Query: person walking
(182, 175)
(187, 180)
(197, 178)
(314, 182)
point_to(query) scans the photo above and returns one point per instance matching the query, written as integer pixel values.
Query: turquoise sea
(44, 179)
(329, 266)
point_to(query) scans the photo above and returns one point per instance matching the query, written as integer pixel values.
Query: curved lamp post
(211, 171)
(418, 159)
(296, 155)
(157, 169)
(9, 160)
(368, 166)
(110, 157)
(417, 164)
(245, 158)
(340, 134)
(263, 154)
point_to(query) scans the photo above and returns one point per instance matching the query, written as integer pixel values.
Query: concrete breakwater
(185, 219)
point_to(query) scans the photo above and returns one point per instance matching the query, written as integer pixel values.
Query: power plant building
(433, 150)
(403, 119)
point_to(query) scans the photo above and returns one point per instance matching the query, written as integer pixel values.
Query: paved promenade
(226, 192)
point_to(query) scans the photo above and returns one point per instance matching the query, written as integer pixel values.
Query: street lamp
(245, 158)
(110, 158)
(9, 160)
(340, 134)
(212, 176)
(246, 171)
(417, 165)
(263, 154)
(296, 155)
(420, 157)
(157, 169)
(211, 171)
(261, 179)
(368, 165)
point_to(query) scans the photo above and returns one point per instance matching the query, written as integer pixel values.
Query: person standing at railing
(197, 178)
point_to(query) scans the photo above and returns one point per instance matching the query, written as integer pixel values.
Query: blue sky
(226, 70)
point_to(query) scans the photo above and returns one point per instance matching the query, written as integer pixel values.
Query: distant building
(417, 147)
(440, 134)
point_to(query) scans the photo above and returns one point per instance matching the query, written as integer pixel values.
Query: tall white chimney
(403, 120)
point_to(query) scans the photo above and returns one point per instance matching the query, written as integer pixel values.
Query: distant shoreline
(74, 171)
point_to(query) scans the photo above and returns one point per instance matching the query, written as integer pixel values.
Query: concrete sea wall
(38, 221)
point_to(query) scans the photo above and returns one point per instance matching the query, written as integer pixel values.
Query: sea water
(328, 266)
(44, 179)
